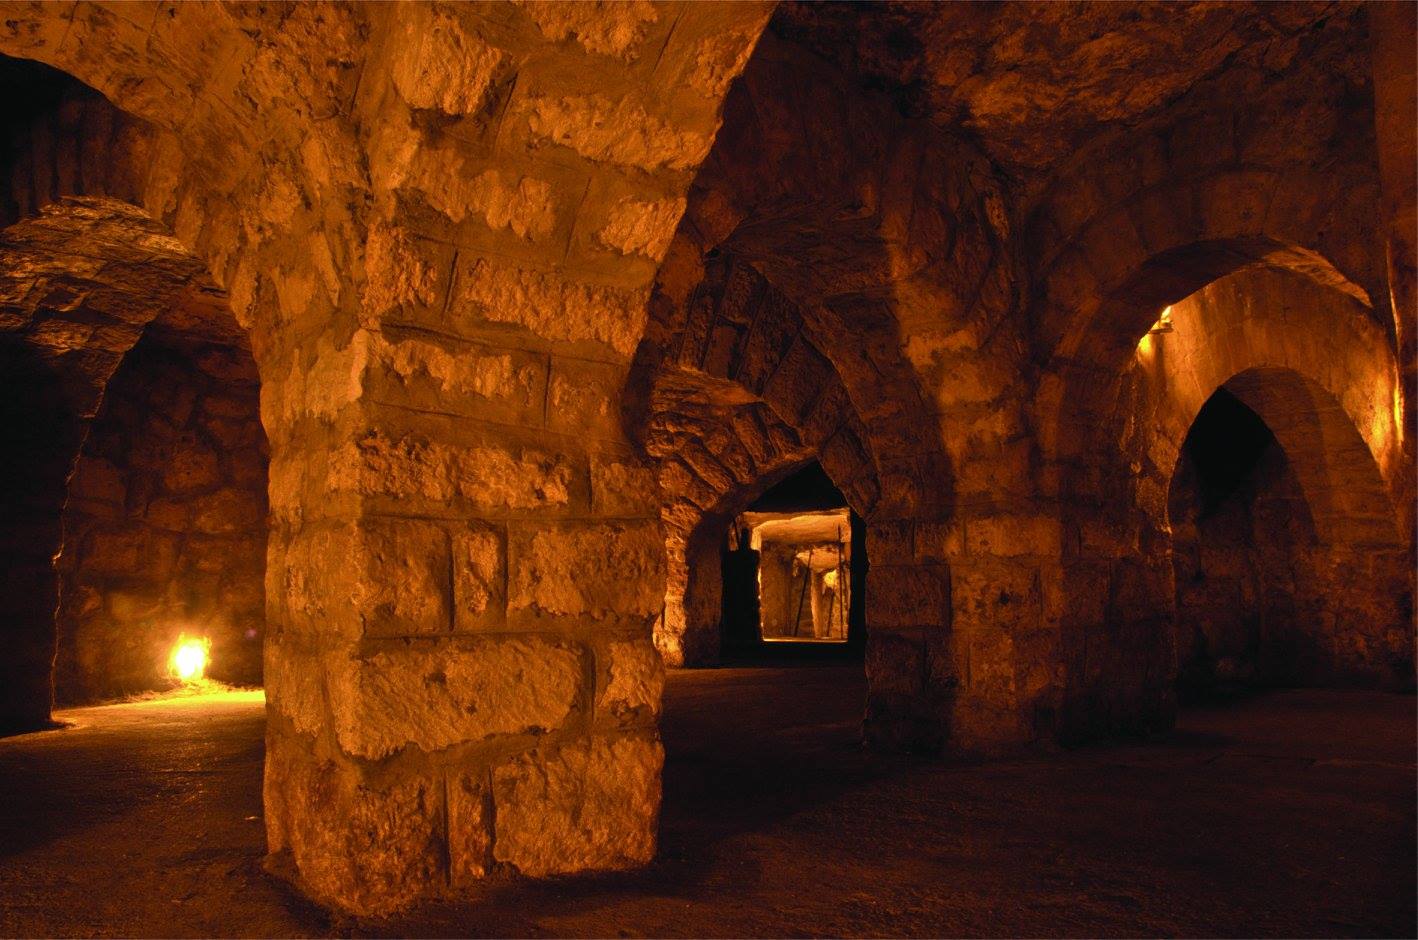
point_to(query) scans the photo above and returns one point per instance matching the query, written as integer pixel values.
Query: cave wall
(165, 524)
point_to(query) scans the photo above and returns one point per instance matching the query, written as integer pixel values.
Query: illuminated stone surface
(532, 300)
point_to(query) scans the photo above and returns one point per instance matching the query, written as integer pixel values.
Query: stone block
(895, 664)
(436, 696)
(413, 467)
(1010, 536)
(587, 569)
(191, 467)
(128, 551)
(294, 680)
(436, 374)
(891, 543)
(404, 273)
(995, 596)
(619, 131)
(98, 479)
(397, 577)
(622, 485)
(584, 398)
(470, 815)
(612, 29)
(364, 845)
(479, 578)
(441, 64)
(584, 806)
(909, 595)
(228, 511)
(635, 227)
(632, 680)
(547, 305)
(380, 576)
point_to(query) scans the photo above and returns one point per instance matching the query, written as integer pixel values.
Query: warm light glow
(189, 659)
(1164, 322)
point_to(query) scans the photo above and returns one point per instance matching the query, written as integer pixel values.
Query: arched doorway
(164, 526)
(134, 497)
(1288, 566)
(793, 565)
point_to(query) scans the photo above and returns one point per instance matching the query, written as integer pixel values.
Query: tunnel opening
(794, 573)
(1238, 519)
(162, 565)
(134, 504)
(1269, 592)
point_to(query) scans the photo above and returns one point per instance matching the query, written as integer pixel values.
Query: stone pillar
(466, 556)
(460, 673)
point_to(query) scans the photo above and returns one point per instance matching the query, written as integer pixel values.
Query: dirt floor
(1291, 813)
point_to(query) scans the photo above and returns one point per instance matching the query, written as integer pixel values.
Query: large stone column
(466, 556)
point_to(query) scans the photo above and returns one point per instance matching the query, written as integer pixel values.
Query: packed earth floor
(1280, 814)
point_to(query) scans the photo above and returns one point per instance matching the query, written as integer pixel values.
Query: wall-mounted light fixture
(1164, 322)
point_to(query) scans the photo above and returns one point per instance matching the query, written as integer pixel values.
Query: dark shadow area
(1259, 589)
(1291, 811)
(41, 438)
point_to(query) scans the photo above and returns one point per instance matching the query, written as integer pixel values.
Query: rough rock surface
(539, 295)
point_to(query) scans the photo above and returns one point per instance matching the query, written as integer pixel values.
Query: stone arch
(165, 519)
(93, 197)
(1324, 379)
(887, 238)
(1189, 197)
(706, 453)
(1263, 318)
(402, 205)
(1348, 617)
(1117, 574)
(714, 457)
(1140, 221)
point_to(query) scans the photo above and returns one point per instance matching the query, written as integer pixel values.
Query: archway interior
(794, 565)
(1265, 596)
(1240, 528)
(165, 522)
(134, 497)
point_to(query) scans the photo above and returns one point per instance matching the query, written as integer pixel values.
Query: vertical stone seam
(451, 591)
(506, 109)
(660, 56)
(490, 822)
(506, 551)
(68, 27)
(347, 107)
(452, 283)
(576, 219)
(446, 849)
(778, 366)
(546, 391)
(757, 298)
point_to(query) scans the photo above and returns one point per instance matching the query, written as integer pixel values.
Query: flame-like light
(189, 658)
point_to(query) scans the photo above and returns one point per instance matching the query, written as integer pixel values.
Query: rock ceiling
(1032, 83)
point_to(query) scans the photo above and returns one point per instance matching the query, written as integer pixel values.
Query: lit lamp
(188, 661)
(1164, 322)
